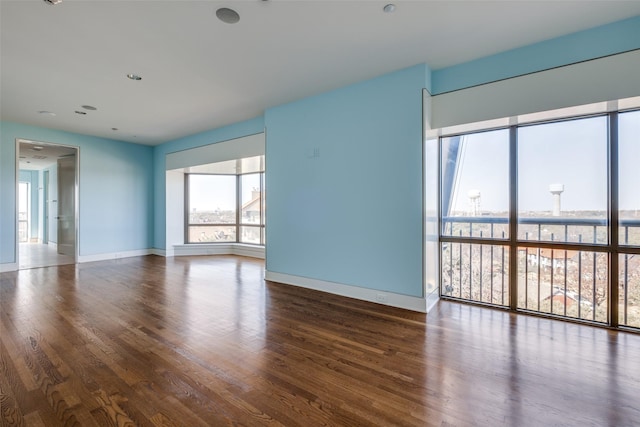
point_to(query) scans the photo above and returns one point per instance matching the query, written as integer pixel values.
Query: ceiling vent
(227, 15)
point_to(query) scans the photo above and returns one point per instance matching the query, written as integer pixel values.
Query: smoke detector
(53, 2)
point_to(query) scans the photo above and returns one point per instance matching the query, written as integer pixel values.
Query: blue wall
(116, 191)
(618, 37)
(249, 127)
(353, 215)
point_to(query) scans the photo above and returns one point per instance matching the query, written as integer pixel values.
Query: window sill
(254, 251)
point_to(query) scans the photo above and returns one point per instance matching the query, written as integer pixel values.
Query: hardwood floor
(35, 255)
(204, 341)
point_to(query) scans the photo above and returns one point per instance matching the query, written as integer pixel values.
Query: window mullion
(238, 206)
(187, 204)
(613, 221)
(513, 218)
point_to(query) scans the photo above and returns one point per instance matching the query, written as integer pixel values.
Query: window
(562, 181)
(562, 198)
(212, 208)
(225, 208)
(475, 206)
(530, 219)
(24, 211)
(251, 207)
(629, 218)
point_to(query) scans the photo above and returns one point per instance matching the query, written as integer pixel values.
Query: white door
(67, 205)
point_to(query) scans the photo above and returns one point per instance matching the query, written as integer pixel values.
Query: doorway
(51, 170)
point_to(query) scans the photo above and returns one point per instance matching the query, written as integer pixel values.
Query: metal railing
(562, 265)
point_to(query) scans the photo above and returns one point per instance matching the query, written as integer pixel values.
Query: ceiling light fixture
(227, 15)
(89, 107)
(390, 8)
(134, 77)
(114, 128)
(46, 113)
(53, 2)
(82, 113)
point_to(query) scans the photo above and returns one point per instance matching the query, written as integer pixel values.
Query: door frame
(76, 195)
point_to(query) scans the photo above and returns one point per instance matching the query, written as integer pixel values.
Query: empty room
(319, 213)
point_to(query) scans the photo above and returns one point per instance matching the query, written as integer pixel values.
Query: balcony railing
(562, 265)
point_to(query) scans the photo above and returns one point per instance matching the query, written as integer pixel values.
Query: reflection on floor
(34, 255)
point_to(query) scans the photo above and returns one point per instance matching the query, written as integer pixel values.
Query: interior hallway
(35, 255)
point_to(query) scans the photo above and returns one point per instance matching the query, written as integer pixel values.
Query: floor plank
(205, 341)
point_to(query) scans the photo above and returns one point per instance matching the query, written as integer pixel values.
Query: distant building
(545, 257)
(251, 209)
(567, 298)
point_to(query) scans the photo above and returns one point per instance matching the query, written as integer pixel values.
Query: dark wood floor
(204, 341)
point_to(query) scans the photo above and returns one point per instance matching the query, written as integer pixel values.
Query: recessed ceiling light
(134, 77)
(227, 15)
(89, 107)
(46, 113)
(53, 2)
(82, 113)
(390, 8)
(37, 148)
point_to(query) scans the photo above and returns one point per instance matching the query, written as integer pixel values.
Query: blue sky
(572, 153)
(211, 192)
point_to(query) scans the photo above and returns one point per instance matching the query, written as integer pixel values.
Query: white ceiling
(200, 73)
(37, 156)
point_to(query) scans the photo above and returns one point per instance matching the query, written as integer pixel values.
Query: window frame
(238, 211)
(611, 248)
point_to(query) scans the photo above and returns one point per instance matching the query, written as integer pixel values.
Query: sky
(572, 153)
(211, 192)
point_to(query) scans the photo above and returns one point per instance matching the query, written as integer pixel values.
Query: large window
(475, 205)
(252, 208)
(225, 208)
(629, 218)
(545, 218)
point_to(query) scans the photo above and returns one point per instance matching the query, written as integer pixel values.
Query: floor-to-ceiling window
(629, 218)
(475, 217)
(544, 218)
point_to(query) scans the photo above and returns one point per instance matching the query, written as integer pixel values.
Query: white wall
(604, 79)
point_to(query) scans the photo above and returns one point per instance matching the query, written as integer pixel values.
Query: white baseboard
(10, 266)
(432, 299)
(219, 249)
(249, 250)
(365, 294)
(113, 255)
(159, 252)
